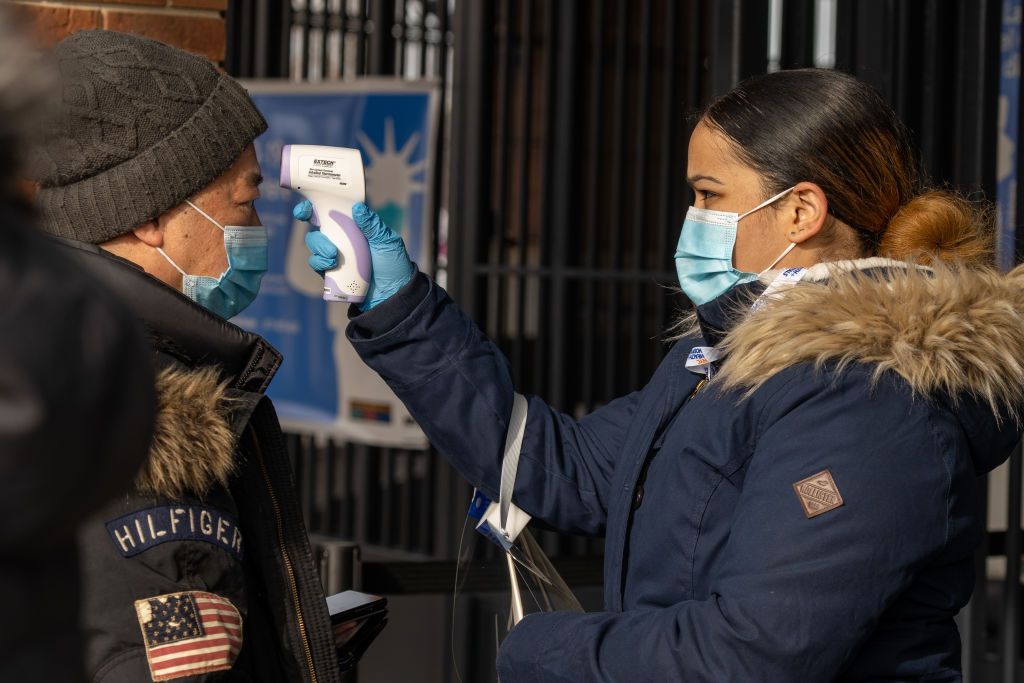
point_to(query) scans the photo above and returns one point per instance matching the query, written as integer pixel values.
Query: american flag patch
(189, 633)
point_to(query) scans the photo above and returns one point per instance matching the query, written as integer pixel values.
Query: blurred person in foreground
(792, 496)
(76, 402)
(204, 571)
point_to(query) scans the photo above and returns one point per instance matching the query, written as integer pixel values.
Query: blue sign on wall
(322, 385)
(1009, 135)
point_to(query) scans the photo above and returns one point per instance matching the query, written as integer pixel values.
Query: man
(206, 567)
(76, 403)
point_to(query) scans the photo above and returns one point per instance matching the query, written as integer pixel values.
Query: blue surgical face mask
(229, 294)
(704, 253)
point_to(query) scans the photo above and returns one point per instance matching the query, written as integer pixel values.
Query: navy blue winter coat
(808, 515)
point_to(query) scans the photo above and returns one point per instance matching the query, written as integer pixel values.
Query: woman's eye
(706, 194)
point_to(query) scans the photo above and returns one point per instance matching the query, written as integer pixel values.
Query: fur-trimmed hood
(953, 333)
(194, 440)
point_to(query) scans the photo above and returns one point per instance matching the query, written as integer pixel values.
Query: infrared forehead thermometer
(331, 178)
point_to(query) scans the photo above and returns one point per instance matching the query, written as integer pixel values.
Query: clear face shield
(534, 584)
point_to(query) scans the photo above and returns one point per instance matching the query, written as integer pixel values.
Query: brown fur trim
(193, 445)
(951, 330)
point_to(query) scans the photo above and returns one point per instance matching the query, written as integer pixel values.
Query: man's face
(196, 244)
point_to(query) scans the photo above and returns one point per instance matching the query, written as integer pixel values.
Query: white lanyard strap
(510, 461)
(782, 282)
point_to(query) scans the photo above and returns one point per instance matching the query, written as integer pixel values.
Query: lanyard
(782, 282)
(702, 359)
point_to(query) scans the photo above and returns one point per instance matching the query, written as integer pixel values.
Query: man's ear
(806, 211)
(150, 233)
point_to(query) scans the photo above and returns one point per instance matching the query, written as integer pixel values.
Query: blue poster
(1009, 135)
(322, 385)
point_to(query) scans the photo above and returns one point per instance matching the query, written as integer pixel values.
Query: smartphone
(357, 618)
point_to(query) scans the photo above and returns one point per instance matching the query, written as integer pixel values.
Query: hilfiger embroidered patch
(818, 494)
(189, 633)
(144, 529)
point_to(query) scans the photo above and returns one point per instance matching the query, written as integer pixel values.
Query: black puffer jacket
(76, 413)
(204, 572)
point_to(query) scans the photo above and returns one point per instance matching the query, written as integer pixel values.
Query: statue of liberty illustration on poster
(323, 387)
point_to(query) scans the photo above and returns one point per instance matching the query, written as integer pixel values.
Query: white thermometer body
(332, 179)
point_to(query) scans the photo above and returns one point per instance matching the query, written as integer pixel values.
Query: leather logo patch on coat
(818, 494)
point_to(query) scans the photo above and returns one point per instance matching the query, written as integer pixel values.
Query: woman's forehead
(711, 156)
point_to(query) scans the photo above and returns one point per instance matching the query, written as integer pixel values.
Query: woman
(791, 496)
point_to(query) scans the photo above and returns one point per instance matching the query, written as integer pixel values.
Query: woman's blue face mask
(232, 292)
(704, 252)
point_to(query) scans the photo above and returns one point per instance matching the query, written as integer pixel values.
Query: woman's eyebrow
(696, 178)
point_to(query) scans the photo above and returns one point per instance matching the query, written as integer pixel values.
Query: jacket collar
(716, 318)
(177, 326)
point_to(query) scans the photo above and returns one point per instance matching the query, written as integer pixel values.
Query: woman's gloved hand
(392, 268)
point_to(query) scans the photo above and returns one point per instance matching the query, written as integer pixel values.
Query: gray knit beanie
(144, 126)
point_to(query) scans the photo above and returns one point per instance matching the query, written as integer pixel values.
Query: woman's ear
(805, 211)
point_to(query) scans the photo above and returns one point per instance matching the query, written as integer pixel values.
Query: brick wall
(194, 25)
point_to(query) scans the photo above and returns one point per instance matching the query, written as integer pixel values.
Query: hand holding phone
(357, 618)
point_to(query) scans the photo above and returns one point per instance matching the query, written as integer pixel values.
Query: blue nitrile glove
(392, 268)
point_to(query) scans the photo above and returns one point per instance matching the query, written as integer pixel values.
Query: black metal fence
(563, 154)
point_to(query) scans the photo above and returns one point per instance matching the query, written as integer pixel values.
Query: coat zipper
(293, 584)
(700, 385)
